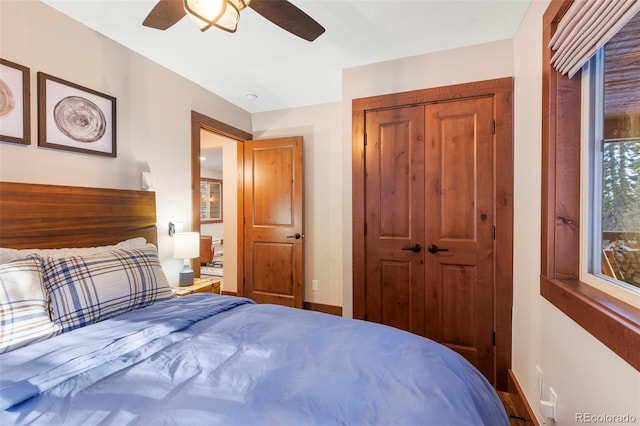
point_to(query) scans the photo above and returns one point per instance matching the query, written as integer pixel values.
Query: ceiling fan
(224, 14)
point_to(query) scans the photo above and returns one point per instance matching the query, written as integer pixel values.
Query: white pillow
(24, 313)
(87, 289)
(9, 254)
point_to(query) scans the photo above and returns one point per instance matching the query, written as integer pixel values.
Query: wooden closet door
(459, 232)
(394, 238)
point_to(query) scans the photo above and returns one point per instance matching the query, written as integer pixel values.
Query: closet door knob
(416, 248)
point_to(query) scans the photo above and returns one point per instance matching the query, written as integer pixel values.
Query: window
(615, 323)
(210, 200)
(615, 158)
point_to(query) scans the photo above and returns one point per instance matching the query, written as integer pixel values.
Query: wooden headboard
(52, 216)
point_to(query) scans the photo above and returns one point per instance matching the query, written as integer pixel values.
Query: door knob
(416, 248)
(297, 236)
(434, 249)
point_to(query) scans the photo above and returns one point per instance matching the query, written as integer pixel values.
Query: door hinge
(493, 338)
(365, 229)
(493, 127)
(493, 232)
(365, 139)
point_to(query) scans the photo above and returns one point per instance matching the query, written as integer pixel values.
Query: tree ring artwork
(76, 118)
(7, 100)
(80, 119)
(14, 102)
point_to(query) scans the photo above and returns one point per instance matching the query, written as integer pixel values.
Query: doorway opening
(218, 208)
(207, 136)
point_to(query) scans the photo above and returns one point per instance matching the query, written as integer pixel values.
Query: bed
(151, 358)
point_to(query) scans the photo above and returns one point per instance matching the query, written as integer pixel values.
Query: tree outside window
(620, 161)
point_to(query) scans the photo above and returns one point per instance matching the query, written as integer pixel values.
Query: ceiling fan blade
(288, 17)
(165, 14)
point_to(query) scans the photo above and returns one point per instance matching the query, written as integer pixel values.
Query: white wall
(586, 375)
(526, 337)
(323, 182)
(153, 114)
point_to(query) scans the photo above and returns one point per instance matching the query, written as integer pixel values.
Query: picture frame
(74, 118)
(15, 103)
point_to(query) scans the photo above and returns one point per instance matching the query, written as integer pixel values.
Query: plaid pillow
(88, 289)
(24, 316)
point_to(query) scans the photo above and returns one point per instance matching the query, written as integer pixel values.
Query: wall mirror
(210, 200)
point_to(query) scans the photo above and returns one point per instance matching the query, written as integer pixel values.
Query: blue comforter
(218, 360)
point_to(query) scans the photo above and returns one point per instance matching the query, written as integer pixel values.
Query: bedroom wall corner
(526, 338)
(587, 377)
(153, 114)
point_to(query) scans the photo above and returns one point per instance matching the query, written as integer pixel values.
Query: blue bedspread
(218, 360)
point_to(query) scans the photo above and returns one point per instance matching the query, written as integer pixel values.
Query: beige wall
(324, 242)
(586, 375)
(153, 114)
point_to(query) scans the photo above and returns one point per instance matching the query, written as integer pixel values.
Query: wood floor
(515, 410)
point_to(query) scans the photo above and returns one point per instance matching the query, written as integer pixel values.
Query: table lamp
(186, 245)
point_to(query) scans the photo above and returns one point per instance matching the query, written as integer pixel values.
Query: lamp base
(185, 278)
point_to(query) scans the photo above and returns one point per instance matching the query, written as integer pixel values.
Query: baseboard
(514, 389)
(309, 306)
(319, 307)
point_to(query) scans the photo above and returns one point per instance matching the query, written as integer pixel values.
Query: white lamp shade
(186, 245)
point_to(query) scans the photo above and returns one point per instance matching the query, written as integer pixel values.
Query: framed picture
(15, 110)
(74, 118)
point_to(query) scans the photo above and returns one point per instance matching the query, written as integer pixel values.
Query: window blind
(586, 27)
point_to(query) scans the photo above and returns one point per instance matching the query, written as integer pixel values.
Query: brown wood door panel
(394, 182)
(273, 191)
(273, 278)
(458, 300)
(460, 219)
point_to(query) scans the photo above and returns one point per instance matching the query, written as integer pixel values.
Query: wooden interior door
(273, 221)
(460, 226)
(394, 237)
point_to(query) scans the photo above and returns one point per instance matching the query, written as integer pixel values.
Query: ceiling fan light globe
(203, 12)
(222, 14)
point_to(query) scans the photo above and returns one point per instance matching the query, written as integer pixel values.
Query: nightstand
(200, 285)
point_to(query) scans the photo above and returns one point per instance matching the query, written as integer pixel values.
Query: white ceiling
(285, 71)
